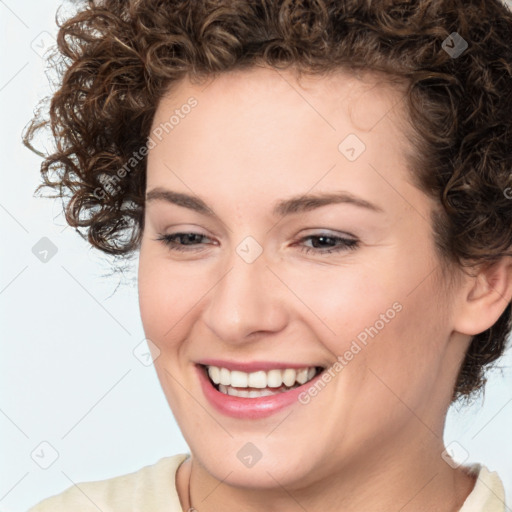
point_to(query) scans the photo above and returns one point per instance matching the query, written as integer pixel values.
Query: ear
(484, 297)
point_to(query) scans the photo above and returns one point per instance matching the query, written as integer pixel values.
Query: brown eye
(324, 243)
(185, 241)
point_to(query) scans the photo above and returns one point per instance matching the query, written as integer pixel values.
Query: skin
(372, 439)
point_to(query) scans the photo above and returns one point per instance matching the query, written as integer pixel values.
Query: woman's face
(351, 285)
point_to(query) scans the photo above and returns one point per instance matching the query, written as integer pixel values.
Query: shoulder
(149, 488)
(488, 494)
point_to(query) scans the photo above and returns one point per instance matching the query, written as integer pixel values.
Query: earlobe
(485, 297)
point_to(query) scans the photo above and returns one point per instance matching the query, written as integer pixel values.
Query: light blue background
(68, 374)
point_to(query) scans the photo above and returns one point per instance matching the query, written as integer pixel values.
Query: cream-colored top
(153, 489)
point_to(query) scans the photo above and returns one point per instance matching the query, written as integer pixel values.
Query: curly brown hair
(118, 58)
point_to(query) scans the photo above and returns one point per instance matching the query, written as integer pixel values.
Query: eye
(187, 238)
(324, 243)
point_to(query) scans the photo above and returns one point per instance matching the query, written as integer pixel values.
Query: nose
(249, 301)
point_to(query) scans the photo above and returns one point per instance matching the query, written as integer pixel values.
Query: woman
(318, 191)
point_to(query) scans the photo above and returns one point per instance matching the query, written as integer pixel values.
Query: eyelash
(347, 243)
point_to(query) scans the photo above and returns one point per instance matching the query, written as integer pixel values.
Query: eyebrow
(284, 207)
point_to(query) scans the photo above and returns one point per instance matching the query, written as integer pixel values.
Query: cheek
(378, 318)
(402, 352)
(155, 294)
(344, 300)
(168, 294)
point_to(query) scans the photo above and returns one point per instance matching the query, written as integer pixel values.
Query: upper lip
(253, 366)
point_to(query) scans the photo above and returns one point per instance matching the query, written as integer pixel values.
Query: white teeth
(239, 379)
(214, 373)
(274, 378)
(302, 375)
(232, 391)
(228, 390)
(260, 379)
(289, 376)
(225, 376)
(257, 380)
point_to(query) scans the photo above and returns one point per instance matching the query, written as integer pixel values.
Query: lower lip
(250, 408)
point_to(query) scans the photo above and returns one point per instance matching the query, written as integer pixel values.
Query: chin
(256, 464)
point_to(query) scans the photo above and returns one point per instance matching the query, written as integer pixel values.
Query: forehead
(345, 92)
(259, 128)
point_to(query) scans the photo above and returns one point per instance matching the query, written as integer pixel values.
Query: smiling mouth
(259, 383)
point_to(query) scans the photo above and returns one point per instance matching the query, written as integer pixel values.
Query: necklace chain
(191, 508)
